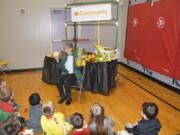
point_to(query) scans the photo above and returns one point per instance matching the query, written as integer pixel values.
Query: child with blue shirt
(35, 113)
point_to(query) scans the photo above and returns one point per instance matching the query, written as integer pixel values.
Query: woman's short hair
(150, 110)
(34, 99)
(69, 45)
(48, 108)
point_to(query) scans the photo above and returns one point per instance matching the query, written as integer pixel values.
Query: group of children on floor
(44, 118)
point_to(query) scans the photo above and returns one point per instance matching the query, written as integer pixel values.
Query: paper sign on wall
(91, 13)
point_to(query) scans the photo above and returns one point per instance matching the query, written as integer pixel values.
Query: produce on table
(104, 54)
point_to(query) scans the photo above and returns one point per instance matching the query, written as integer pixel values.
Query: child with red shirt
(77, 121)
(7, 106)
(5, 97)
(3, 86)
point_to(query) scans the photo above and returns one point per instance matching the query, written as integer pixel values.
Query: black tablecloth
(99, 77)
(50, 71)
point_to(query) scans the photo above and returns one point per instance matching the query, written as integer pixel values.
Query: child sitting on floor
(2, 84)
(77, 120)
(149, 125)
(5, 97)
(99, 123)
(34, 113)
(9, 123)
(6, 106)
(53, 123)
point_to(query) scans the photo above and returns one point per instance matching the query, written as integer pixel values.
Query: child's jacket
(146, 127)
(55, 125)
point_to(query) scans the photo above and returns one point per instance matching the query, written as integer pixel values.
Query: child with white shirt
(69, 74)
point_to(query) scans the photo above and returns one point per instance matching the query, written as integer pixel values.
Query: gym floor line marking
(174, 107)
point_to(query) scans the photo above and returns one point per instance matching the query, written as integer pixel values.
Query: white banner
(91, 13)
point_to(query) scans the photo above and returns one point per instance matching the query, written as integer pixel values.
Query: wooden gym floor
(123, 103)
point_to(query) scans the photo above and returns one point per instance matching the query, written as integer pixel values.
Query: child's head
(97, 114)
(149, 110)
(2, 84)
(34, 99)
(97, 110)
(77, 120)
(48, 109)
(97, 117)
(5, 94)
(68, 48)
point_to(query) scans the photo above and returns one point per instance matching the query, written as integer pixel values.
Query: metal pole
(65, 19)
(75, 35)
(117, 27)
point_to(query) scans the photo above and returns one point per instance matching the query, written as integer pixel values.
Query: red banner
(153, 36)
(136, 26)
(177, 66)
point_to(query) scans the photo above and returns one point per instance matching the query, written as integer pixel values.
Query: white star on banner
(161, 22)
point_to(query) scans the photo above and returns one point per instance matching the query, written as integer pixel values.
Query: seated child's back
(34, 113)
(53, 123)
(3, 85)
(149, 125)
